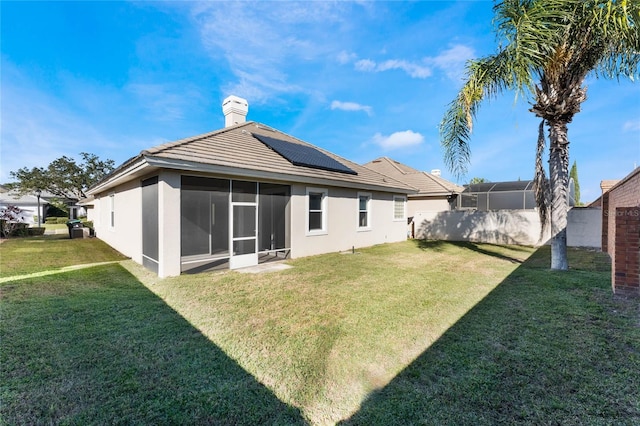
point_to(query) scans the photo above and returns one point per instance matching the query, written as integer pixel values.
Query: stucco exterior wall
(415, 205)
(126, 234)
(169, 224)
(342, 231)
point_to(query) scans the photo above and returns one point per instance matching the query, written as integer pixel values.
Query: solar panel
(304, 155)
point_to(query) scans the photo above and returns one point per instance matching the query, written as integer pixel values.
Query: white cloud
(365, 65)
(398, 140)
(262, 44)
(345, 57)
(452, 61)
(631, 126)
(161, 101)
(412, 69)
(351, 106)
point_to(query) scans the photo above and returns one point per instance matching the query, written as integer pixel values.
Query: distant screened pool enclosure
(513, 195)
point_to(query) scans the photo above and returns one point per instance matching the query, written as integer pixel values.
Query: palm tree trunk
(559, 177)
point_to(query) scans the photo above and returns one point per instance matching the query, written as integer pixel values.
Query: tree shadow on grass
(95, 346)
(484, 248)
(543, 348)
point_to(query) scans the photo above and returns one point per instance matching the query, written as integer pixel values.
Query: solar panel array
(304, 155)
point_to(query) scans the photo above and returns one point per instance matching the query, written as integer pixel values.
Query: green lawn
(408, 333)
(20, 256)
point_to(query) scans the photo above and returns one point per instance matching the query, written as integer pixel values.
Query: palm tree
(551, 46)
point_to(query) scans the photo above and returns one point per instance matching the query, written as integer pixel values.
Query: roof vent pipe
(235, 110)
(436, 172)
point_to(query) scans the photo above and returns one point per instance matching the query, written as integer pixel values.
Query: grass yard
(19, 256)
(408, 333)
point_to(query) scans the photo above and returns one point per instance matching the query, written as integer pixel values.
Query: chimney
(435, 172)
(235, 110)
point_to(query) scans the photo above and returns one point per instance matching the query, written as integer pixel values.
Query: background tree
(573, 174)
(548, 47)
(63, 178)
(475, 180)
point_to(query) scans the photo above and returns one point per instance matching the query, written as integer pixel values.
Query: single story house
(28, 205)
(240, 196)
(433, 192)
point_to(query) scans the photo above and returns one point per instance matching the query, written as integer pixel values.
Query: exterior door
(244, 224)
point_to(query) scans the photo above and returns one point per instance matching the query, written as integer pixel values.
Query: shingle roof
(236, 147)
(426, 183)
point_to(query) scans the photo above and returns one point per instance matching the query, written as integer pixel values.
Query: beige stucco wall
(415, 205)
(506, 227)
(342, 231)
(126, 235)
(169, 224)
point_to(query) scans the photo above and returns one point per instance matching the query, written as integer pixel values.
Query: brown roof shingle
(236, 147)
(426, 183)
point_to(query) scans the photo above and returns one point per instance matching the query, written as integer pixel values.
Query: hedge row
(56, 220)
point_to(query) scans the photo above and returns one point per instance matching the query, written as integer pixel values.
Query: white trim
(404, 208)
(250, 259)
(367, 227)
(324, 210)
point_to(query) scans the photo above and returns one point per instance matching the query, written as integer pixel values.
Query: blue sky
(361, 79)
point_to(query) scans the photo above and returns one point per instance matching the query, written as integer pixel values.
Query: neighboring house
(433, 192)
(240, 196)
(28, 204)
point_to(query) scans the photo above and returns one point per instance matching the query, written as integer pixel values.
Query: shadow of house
(114, 352)
(497, 366)
(493, 227)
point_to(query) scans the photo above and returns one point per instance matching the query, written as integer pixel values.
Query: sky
(360, 79)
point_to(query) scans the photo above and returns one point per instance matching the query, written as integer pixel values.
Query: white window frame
(324, 210)
(397, 198)
(368, 211)
(112, 210)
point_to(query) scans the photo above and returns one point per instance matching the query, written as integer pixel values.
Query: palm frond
(486, 78)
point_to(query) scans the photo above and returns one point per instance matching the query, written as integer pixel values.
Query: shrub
(52, 220)
(20, 230)
(87, 224)
(10, 220)
(35, 231)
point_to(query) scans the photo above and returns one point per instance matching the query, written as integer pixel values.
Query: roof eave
(230, 170)
(128, 170)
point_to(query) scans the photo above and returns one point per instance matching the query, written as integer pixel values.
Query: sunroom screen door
(244, 223)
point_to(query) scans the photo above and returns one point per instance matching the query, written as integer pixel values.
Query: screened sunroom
(229, 223)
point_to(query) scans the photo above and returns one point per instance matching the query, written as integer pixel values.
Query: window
(112, 210)
(364, 210)
(399, 207)
(317, 211)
